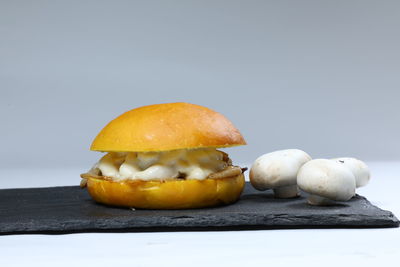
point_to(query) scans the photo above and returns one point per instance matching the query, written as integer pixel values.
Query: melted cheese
(192, 164)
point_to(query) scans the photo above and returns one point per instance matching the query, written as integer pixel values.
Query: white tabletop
(324, 247)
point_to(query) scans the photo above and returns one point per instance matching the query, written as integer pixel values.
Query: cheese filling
(186, 164)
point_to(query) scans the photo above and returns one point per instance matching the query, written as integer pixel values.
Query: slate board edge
(239, 227)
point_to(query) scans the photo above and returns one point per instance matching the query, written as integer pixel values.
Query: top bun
(170, 126)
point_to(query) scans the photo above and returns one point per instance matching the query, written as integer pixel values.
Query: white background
(322, 76)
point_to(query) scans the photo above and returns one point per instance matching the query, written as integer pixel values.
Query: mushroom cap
(358, 168)
(327, 178)
(277, 168)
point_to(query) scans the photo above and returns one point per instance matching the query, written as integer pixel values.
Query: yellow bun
(169, 126)
(171, 194)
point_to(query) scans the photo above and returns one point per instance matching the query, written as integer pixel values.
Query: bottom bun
(169, 194)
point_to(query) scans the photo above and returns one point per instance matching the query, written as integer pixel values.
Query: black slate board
(59, 210)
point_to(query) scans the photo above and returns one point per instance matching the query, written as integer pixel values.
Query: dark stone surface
(60, 210)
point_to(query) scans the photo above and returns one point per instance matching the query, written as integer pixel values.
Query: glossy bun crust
(170, 194)
(165, 127)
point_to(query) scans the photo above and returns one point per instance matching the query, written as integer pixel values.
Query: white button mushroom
(326, 181)
(358, 168)
(278, 171)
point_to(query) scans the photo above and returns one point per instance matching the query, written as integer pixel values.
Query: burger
(166, 156)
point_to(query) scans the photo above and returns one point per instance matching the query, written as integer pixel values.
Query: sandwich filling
(196, 164)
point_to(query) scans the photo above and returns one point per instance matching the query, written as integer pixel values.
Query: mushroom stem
(83, 183)
(319, 201)
(289, 191)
